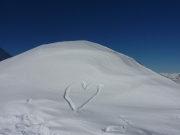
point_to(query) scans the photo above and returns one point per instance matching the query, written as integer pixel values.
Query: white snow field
(83, 88)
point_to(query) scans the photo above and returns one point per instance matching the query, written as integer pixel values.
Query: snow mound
(80, 87)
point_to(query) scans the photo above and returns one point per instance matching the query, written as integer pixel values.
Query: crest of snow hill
(83, 88)
(175, 76)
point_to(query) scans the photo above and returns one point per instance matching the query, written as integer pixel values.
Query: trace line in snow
(85, 87)
(126, 121)
(133, 126)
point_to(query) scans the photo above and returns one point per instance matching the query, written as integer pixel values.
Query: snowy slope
(82, 88)
(4, 55)
(175, 76)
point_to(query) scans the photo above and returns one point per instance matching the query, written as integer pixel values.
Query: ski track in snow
(85, 87)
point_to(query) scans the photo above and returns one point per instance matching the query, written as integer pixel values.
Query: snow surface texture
(4, 55)
(82, 88)
(175, 76)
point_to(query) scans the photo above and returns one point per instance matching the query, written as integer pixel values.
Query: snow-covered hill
(175, 76)
(4, 55)
(82, 88)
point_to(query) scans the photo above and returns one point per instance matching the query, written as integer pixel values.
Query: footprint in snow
(115, 129)
(28, 100)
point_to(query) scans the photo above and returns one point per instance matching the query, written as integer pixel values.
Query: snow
(83, 88)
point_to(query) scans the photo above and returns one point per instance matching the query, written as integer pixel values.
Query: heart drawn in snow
(83, 87)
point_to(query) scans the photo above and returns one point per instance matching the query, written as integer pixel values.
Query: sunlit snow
(83, 88)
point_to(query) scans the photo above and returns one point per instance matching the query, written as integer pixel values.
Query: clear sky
(146, 30)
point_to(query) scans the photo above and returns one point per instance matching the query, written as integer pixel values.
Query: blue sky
(146, 30)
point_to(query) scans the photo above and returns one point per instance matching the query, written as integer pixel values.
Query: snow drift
(83, 88)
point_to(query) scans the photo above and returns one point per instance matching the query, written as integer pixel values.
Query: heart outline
(85, 87)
